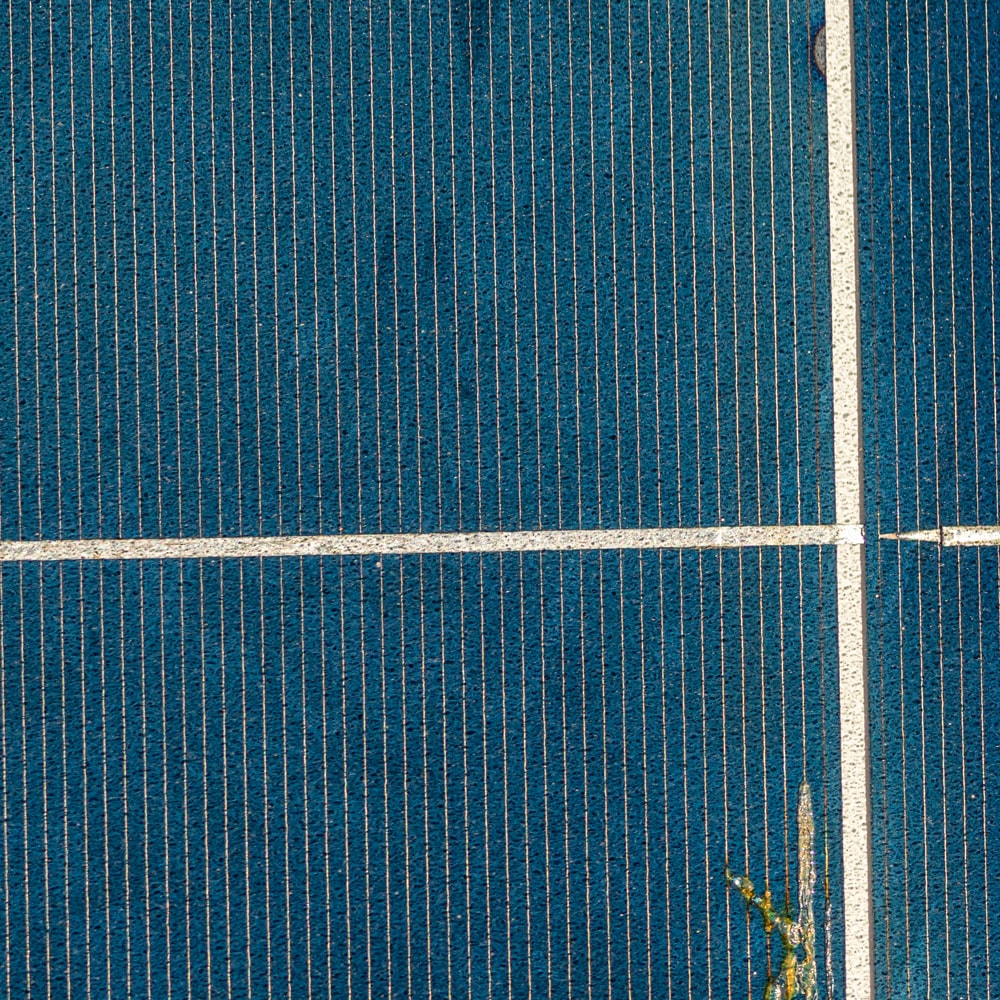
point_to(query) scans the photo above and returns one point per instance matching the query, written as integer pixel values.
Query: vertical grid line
(7, 922)
(168, 935)
(43, 707)
(224, 713)
(898, 480)
(853, 716)
(24, 790)
(996, 467)
(273, 111)
(144, 743)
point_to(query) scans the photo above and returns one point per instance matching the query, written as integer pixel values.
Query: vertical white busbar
(851, 604)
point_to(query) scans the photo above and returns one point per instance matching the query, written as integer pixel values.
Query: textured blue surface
(412, 269)
(464, 774)
(283, 269)
(927, 84)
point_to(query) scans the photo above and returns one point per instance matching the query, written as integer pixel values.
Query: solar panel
(925, 109)
(432, 538)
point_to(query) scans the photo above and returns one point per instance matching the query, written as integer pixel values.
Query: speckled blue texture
(562, 279)
(489, 772)
(289, 269)
(927, 122)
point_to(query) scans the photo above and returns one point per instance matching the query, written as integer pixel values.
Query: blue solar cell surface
(927, 91)
(280, 269)
(475, 774)
(297, 269)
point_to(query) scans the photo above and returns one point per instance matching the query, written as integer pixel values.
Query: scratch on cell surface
(797, 974)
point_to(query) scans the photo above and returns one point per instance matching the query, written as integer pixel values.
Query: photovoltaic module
(497, 500)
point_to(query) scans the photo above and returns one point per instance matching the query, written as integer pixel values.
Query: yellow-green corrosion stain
(797, 974)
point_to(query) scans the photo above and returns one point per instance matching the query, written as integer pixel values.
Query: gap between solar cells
(433, 543)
